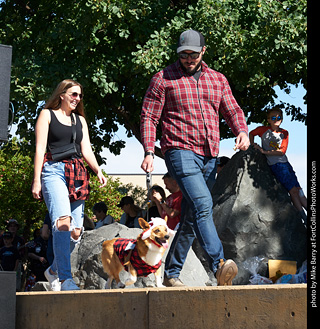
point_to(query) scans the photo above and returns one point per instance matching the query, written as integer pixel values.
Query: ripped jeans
(56, 196)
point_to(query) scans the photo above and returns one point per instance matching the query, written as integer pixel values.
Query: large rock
(254, 215)
(87, 266)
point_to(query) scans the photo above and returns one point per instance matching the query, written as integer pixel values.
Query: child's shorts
(285, 175)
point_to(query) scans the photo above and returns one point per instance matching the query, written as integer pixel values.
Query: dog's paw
(121, 285)
(131, 281)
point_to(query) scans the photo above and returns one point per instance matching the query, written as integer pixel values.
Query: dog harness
(123, 247)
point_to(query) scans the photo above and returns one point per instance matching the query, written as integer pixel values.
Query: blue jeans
(195, 175)
(56, 196)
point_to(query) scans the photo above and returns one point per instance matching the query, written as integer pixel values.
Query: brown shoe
(173, 282)
(226, 272)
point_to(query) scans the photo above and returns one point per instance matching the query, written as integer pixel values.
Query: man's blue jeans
(195, 175)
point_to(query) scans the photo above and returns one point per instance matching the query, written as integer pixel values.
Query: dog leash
(149, 184)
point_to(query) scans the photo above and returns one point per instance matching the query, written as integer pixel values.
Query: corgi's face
(160, 235)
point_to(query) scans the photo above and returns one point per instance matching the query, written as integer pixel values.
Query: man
(100, 210)
(187, 97)
(18, 241)
(171, 207)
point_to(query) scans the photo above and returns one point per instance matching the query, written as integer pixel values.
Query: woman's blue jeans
(195, 175)
(56, 196)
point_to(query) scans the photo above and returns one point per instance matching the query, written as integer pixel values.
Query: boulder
(87, 266)
(254, 215)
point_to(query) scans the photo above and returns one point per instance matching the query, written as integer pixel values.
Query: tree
(15, 189)
(113, 47)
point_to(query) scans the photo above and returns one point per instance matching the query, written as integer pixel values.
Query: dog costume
(123, 247)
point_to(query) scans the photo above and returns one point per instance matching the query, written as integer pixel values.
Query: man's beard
(191, 71)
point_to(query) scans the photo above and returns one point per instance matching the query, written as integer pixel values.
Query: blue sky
(129, 161)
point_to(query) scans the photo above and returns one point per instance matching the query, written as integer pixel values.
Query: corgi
(138, 257)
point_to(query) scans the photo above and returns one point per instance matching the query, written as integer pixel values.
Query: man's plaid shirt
(189, 110)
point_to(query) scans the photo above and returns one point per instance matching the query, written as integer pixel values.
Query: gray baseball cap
(191, 40)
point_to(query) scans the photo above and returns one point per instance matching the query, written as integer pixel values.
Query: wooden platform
(264, 306)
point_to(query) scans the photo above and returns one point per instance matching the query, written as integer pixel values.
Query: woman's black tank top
(61, 135)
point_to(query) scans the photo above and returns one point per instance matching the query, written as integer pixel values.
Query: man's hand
(147, 164)
(242, 141)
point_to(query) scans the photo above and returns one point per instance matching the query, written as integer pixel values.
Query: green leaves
(114, 47)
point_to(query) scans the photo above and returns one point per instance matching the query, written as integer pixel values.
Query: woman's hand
(36, 190)
(102, 179)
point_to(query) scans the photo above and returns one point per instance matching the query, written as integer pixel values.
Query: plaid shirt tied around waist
(75, 170)
(189, 110)
(141, 267)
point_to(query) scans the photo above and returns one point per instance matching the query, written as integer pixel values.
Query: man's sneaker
(53, 279)
(69, 284)
(173, 282)
(226, 272)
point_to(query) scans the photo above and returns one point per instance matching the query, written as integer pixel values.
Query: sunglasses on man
(276, 118)
(191, 55)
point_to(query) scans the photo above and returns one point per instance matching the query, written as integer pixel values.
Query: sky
(131, 157)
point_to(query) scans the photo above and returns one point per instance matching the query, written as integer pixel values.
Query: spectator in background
(18, 241)
(37, 254)
(100, 210)
(221, 162)
(274, 144)
(9, 255)
(131, 213)
(170, 207)
(88, 223)
(152, 210)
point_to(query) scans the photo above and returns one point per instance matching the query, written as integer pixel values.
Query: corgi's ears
(143, 224)
(166, 218)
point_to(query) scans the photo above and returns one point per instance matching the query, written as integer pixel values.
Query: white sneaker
(69, 284)
(53, 279)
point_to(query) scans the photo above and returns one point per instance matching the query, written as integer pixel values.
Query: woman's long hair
(54, 102)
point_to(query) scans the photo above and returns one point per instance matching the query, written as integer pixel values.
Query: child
(274, 146)
(9, 255)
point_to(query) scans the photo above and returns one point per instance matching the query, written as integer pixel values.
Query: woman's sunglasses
(75, 95)
(274, 118)
(186, 55)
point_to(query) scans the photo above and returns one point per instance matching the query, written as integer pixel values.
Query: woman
(131, 212)
(64, 183)
(156, 192)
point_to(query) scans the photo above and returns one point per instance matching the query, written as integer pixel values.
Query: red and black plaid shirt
(142, 268)
(189, 110)
(75, 170)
